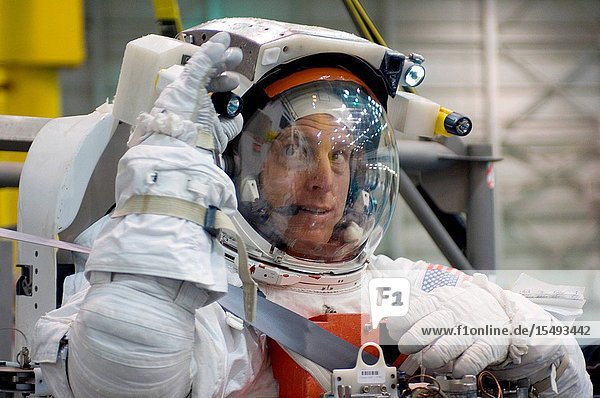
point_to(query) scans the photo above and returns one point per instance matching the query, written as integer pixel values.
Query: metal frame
(16, 134)
(50, 202)
(459, 181)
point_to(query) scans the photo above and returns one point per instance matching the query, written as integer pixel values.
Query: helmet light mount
(414, 72)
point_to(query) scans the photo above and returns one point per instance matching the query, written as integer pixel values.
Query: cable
(22, 334)
(370, 25)
(367, 28)
(486, 374)
(363, 22)
(22, 356)
(432, 390)
(358, 21)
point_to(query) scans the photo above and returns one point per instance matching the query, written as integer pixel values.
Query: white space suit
(148, 324)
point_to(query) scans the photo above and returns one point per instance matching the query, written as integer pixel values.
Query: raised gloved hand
(184, 109)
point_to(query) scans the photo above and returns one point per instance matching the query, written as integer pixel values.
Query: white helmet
(316, 164)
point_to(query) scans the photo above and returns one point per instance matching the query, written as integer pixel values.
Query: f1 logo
(388, 297)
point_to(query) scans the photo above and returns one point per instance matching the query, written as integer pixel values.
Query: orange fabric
(295, 382)
(311, 75)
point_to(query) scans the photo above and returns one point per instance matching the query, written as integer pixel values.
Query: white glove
(475, 304)
(184, 107)
(447, 307)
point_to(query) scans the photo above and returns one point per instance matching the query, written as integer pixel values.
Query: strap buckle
(210, 221)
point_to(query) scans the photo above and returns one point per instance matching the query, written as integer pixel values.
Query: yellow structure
(166, 12)
(38, 38)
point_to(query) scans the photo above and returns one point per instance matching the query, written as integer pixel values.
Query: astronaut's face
(315, 170)
(305, 180)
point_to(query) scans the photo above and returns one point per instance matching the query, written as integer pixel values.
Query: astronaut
(313, 175)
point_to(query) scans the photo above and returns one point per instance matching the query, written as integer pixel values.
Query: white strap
(205, 140)
(211, 219)
(550, 381)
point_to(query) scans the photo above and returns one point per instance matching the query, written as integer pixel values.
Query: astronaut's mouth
(293, 210)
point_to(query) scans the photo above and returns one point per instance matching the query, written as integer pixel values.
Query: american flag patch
(439, 275)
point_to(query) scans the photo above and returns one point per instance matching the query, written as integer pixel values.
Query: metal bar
(9, 174)
(424, 155)
(7, 292)
(491, 68)
(517, 13)
(482, 233)
(552, 89)
(17, 132)
(557, 87)
(481, 228)
(432, 225)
